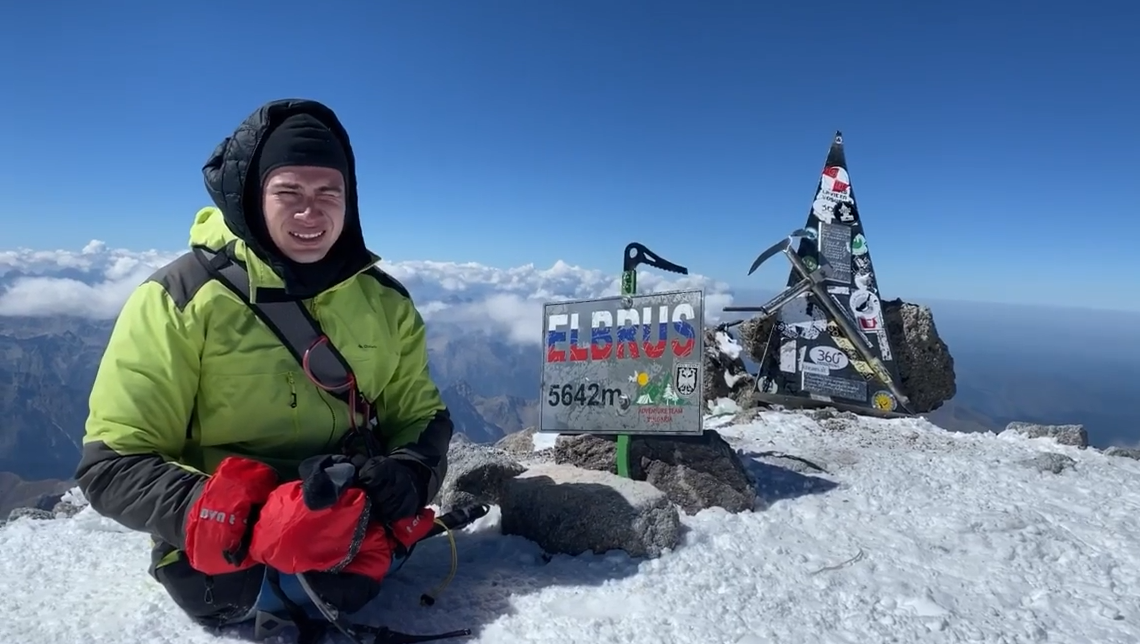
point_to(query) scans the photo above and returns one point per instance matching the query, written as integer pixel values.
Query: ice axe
(635, 255)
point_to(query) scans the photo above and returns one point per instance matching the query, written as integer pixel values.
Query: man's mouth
(307, 237)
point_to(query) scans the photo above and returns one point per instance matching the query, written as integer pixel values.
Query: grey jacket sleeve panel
(142, 492)
(430, 452)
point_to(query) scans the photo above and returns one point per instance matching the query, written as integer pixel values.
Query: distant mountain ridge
(47, 365)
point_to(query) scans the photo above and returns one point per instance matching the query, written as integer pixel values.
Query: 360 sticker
(829, 357)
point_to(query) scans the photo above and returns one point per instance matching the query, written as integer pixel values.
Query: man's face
(304, 210)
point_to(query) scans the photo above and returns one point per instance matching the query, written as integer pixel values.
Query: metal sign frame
(671, 384)
(634, 255)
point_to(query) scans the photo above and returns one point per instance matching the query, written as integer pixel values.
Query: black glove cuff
(421, 476)
(324, 479)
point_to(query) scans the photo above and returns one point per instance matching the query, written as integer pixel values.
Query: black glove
(394, 486)
(324, 478)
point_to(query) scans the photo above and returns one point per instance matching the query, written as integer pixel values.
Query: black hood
(237, 194)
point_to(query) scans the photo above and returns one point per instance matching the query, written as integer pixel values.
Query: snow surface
(912, 534)
(723, 407)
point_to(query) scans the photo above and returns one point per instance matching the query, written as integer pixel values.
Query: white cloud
(95, 281)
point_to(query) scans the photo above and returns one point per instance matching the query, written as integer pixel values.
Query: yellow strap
(429, 598)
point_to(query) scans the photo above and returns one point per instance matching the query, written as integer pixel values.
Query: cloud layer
(95, 281)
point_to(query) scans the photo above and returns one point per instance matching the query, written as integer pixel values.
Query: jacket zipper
(292, 391)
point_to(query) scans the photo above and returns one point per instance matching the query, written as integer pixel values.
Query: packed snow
(873, 531)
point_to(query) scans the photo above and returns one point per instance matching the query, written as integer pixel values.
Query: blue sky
(983, 141)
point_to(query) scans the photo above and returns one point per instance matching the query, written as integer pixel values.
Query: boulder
(725, 375)
(475, 474)
(696, 472)
(1050, 462)
(832, 419)
(569, 510)
(520, 445)
(1123, 452)
(65, 510)
(1074, 435)
(30, 513)
(47, 501)
(926, 369)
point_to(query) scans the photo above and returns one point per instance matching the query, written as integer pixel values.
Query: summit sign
(623, 365)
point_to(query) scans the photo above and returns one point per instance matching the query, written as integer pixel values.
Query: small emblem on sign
(883, 401)
(685, 379)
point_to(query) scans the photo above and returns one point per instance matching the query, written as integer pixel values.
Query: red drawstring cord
(350, 385)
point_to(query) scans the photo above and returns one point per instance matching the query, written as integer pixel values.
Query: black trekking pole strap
(289, 320)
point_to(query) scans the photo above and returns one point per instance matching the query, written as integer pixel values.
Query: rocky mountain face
(47, 366)
(18, 493)
(490, 365)
(461, 402)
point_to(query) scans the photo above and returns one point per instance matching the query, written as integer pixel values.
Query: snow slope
(913, 534)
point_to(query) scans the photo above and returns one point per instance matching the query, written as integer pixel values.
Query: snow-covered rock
(74, 497)
(475, 474)
(1062, 434)
(1050, 462)
(696, 472)
(30, 513)
(725, 374)
(1124, 452)
(570, 510)
(523, 446)
(65, 510)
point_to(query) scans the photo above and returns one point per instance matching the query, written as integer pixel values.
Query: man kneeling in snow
(217, 429)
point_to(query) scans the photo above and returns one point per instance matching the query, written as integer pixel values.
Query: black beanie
(302, 139)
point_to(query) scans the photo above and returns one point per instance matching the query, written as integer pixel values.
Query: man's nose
(309, 211)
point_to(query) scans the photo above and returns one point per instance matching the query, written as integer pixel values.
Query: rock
(568, 510)
(1050, 462)
(725, 375)
(520, 445)
(48, 501)
(475, 474)
(754, 334)
(832, 419)
(30, 513)
(65, 510)
(1063, 434)
(1124, 452)
(696, 472)
(926, 369)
